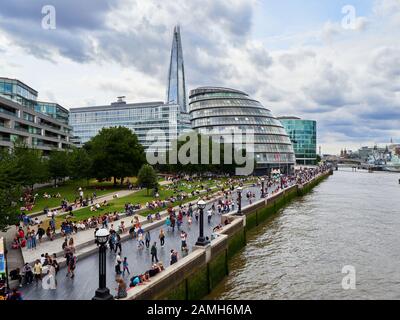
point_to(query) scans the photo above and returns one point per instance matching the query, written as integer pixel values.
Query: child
(125, 266)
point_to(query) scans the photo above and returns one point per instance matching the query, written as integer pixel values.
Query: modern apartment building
(20, 118)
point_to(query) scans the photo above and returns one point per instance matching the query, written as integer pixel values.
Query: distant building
(303, 134)
(218, 112)
(20, 118)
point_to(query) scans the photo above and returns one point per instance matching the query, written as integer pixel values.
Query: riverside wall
(196, 275)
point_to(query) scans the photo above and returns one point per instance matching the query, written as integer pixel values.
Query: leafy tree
(10, 191)
(31, 168)
(58, 165)
(80, 164)
(191, 168)
(147, 177)
(116, 153)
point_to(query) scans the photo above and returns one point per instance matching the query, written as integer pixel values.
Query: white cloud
(347, 80)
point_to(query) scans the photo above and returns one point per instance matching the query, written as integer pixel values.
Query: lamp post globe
(102, 236)
(102, 293)
(201, 241)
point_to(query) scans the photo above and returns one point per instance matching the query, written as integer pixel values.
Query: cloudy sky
(312, 58)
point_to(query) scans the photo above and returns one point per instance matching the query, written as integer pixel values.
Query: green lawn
(140, 197)
(69, 190)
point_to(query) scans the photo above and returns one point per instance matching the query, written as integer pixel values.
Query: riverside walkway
(83, 286)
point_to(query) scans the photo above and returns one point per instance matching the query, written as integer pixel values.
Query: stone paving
(85, 282)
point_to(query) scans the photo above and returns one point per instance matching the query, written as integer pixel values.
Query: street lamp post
(201, 241)
(102, 293)
(239, 191)
(262, 188)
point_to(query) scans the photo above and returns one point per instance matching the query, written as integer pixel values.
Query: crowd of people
(179, 218)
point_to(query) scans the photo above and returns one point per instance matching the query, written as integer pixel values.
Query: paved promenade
(85, 282)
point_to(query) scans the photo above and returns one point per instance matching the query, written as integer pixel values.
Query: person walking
(118, 262)
(183, 241)
(209, 215)
(71, 267)
(153, 252)
(40, 233)
(28, 274)
(172, 218)
(33, 236)
(147, 239)
(125, 266)
(118, 244)
(37, 271)
(111, 242)
(162, 237)
(173, 257)
(140, 242)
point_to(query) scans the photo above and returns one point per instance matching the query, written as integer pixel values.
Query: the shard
(176, 88)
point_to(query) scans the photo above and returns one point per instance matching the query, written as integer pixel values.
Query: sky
(336, 62)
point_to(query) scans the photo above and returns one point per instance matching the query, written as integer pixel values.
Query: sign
(2, 257)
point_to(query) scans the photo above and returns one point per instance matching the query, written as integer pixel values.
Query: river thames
(350, 219)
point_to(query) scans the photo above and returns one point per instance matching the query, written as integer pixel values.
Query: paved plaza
(85, 282)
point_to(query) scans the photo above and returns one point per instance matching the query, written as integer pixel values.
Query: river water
(350, 219)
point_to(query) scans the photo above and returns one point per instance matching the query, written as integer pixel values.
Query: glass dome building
(220, 111)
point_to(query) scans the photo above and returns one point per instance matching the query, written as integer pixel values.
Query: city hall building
(218, 112)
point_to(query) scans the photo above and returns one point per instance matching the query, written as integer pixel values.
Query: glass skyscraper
(303, 134)
(218, 112)
(176, 87)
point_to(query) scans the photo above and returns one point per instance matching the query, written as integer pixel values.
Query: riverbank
(196, 275)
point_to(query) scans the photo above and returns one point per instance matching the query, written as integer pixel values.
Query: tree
(80, 164)
(58, 165)
(10, 191)
(191, 168)
(30, 166)
(147, 177)
(116, 153)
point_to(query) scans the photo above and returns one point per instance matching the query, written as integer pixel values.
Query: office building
(160, 118)
(303, 134)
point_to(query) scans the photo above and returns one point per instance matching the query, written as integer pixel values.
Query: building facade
(34, 128)
(149, 121)
(303, 134)
(218, 112)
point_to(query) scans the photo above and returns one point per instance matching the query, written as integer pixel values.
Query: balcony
(10, 113)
